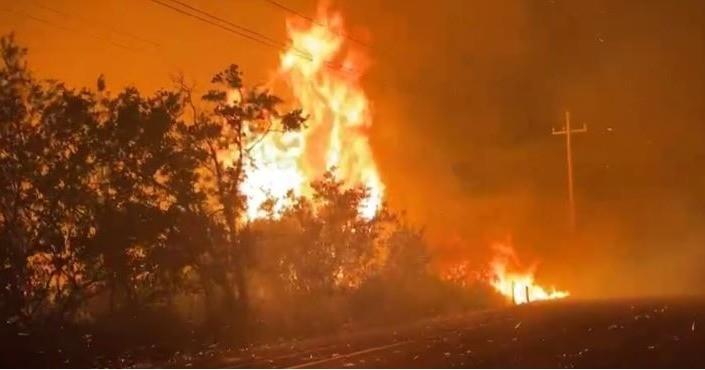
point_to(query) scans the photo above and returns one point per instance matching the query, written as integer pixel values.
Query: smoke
(465, 97)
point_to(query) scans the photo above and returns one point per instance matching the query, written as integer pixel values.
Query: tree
(120, 192)
(98, 189)
(239, 121)
(144, 183)
(44, 215)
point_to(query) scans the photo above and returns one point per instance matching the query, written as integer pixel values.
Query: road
(616, 333)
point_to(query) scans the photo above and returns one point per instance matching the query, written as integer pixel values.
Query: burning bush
(122, 205)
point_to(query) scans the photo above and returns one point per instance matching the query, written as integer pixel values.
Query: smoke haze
(465, 94)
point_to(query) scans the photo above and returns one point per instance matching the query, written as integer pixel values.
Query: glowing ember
(517, 286)
(324, 76)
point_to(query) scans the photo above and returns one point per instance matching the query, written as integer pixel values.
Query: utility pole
(568, 131)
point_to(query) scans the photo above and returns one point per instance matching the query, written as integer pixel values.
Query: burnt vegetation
(123, 233)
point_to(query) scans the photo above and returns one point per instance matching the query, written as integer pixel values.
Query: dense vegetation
(122, 212)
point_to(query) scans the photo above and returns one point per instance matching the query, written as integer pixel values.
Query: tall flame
(518, 286)
(324, 76)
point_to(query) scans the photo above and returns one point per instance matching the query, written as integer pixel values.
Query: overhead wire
(61, 25)
(186, 10)
(248, 35)
(69, 29)
(311, 20)
(231, 24)
(242, 31)
(110, 28)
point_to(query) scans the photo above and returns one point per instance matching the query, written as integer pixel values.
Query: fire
(324, 76)
(517, 286)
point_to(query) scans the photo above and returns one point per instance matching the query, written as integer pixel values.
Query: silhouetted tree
(44, 167)
(239, 120)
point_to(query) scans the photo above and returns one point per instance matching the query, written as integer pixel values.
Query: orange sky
(80, 52)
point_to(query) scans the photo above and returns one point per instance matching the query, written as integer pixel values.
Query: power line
(84, 20)
(202, 19)
(312, 20)
(231, 24)
(290, 10)
(241, 31)
(281, 45)
(69, 29)
(108, 40)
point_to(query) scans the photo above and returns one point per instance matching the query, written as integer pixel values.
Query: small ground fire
(509, 279)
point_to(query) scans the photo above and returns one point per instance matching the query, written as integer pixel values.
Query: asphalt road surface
(566, 334)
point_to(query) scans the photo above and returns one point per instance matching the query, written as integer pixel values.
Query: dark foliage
(119, 208)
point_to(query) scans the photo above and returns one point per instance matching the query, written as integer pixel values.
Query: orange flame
(519, 287)
(324, 76)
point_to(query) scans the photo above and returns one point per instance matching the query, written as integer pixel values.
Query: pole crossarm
(562, 131)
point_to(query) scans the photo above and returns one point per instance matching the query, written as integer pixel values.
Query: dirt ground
(658, 332)
(565, 334)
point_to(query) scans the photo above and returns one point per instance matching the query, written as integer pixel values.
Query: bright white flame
(336, 133)
(273, 174)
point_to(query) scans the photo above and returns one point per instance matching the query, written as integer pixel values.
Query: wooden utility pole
(568, 131)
